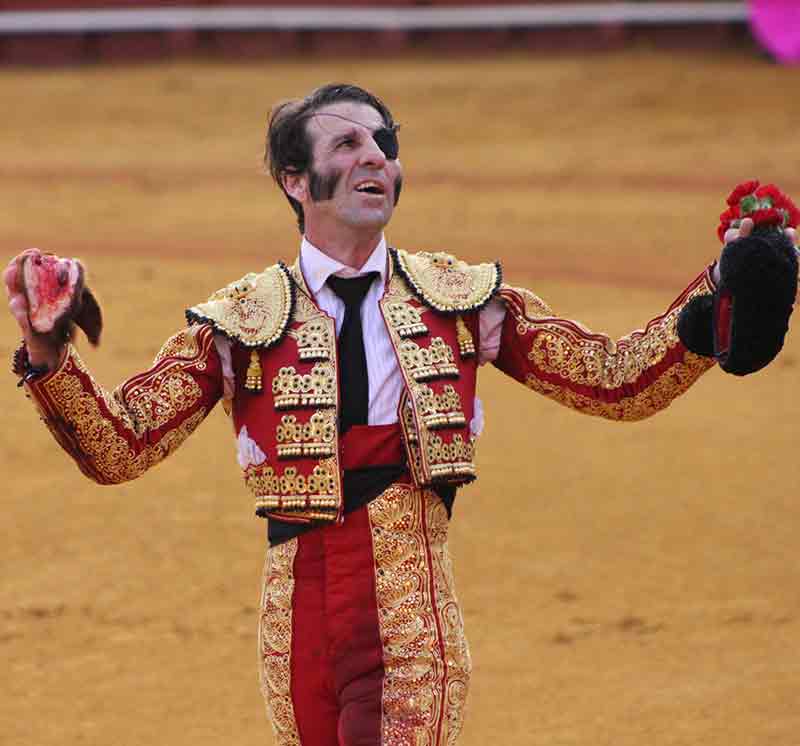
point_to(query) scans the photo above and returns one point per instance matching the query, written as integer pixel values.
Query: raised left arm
(628, 379)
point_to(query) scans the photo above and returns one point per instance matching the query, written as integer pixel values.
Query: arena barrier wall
(37, 32)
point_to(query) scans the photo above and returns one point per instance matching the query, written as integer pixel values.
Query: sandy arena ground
(634, 585)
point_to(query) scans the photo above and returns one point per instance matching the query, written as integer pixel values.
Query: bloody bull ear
(57, 297)
(89, 317)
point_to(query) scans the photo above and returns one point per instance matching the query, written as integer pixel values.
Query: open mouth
(370, 187)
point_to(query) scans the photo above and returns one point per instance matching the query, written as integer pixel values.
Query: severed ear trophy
(58, 299)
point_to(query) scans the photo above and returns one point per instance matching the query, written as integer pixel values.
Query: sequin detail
(287, 491)
(426, 658)
(445, 283)
(110, 457)
(254, 310)
(275, 642)
(317, 388)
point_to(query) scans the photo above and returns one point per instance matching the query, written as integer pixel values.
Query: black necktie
(353, 382)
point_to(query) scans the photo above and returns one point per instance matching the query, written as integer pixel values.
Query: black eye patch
(386, 140)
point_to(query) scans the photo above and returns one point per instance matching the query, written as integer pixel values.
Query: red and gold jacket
(285, 397)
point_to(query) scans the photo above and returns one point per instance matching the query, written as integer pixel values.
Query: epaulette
(447, 284)
(255, 310)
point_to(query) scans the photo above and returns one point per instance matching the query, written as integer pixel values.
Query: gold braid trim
(650, 365)
(255, 310)
(425, 653)
(154, 398)
(275, 642)
(671, 384)
(572, 352)
(447, 284)
(111, 456)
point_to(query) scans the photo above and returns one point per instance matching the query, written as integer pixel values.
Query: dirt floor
(622, 584)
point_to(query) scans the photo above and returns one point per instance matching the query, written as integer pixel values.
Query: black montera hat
(743, 324)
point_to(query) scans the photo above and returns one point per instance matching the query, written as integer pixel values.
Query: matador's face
(353, 183)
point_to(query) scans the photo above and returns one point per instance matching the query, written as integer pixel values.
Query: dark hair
(289, 148)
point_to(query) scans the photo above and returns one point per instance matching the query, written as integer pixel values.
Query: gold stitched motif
(439, 410)
(428, 363)
(317, 437)
(466, 345)
(315, 495)
(671, 384)
(154, 405)
(568, 350)
(111, 457)
(275, 641)
(315, 389)
(314, 339)
(150, 400)
(406, 319)
(426, 658)
(183, 344)
(447, 284)
(254, 310)
(532, 305)
(253, 378)
(451, 460)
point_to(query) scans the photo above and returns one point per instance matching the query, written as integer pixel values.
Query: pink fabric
(776, 26)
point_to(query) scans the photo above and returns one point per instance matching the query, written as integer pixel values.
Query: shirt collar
(318, 267)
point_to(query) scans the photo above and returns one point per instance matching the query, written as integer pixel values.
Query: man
(350, 378)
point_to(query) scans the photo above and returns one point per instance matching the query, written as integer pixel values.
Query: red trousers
(361, 636)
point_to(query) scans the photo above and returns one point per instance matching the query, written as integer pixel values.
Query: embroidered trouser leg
(361, 636)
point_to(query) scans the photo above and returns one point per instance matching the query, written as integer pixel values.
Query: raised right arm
(115, 436)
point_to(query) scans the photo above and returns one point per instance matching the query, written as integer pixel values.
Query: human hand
(45, 344)
(743, 231)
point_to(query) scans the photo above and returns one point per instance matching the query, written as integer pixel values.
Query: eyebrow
(351, 134)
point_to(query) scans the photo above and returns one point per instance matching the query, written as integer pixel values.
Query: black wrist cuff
(21, 366)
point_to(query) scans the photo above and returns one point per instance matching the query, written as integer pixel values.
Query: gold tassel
(253, 380)
(466, 345)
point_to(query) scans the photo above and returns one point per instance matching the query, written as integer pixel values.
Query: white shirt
(383, 371)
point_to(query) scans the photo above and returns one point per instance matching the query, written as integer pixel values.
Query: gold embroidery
(533, 306)
(315, 389)
(426, 659)
(466, 345)
(447, 284)
(439, 410)
(453, 459)
(406, 319)
(150, 400)
(154, 405)
(254, 310)
(110, 455)
(428, 363)
(252, 381)
(183, 344)
(570, 351)
(314, 339)
(672, 383)
(317, 437)
(300, 281)
(315, 495)
(422, 410)
(275, 641)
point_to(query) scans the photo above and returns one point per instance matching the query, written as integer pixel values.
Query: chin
(376, 219)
